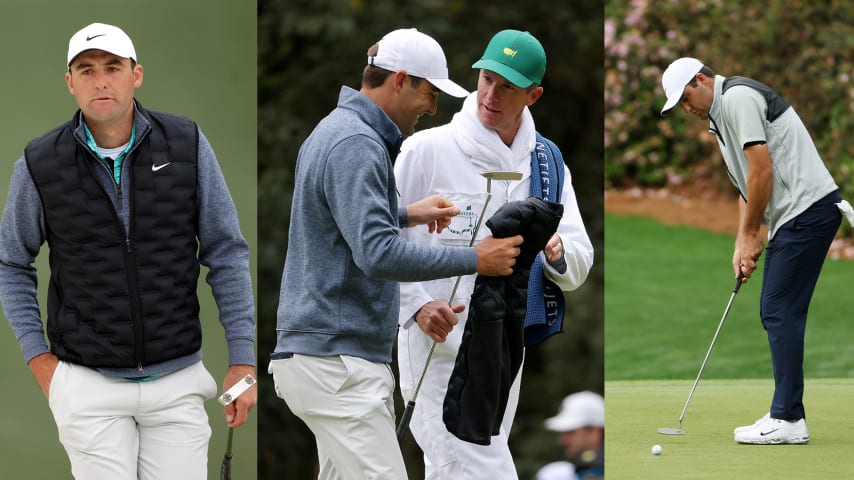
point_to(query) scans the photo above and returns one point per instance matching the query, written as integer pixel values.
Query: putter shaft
(410, 405)
(706, 359)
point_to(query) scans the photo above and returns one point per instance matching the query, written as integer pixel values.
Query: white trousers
(446, 457)
(348, 404)
(116, 429)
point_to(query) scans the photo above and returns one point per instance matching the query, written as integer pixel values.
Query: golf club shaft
(453, 293)
(714, 338)
(410, 405)
(225, 468)
(404, 421)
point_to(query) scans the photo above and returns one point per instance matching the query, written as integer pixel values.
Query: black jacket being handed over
(492, 346)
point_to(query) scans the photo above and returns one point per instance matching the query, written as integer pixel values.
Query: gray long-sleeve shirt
(222, 249)
(339, 292)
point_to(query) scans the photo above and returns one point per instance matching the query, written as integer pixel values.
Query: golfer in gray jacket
(131, 202)
(337, 316)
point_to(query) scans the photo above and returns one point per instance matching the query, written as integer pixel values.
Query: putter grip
(738, 282)
(403, 426)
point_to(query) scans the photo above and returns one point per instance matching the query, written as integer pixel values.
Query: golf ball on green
(656, 449)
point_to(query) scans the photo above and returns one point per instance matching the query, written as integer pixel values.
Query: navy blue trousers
(793, 261)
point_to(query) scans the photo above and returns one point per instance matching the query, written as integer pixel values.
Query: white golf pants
(446, 457)
(348, 404)
(116, 429)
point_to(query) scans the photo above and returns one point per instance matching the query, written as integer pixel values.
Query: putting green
(635, 410)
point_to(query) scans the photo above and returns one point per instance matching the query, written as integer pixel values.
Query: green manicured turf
(665, 292)
(635, 410)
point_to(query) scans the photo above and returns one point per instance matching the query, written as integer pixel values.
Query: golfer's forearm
(402, 217)
(33, 345)
(20, 304)
(742, 209)
(241, 351)
(759, 182)
(398, 260)
(759, 191)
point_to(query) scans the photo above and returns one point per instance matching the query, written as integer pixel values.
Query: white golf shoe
(773, 431)
(748, 427)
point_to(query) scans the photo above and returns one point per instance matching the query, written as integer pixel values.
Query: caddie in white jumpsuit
(493, 131)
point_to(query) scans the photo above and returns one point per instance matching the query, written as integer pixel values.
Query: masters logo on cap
(516, 56)
(100, 36)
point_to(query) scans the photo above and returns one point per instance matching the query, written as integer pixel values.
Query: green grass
(666, 290)
(635, 410)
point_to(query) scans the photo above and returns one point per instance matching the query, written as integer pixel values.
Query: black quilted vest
(118, 300)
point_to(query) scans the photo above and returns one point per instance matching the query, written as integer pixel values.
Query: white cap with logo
(419, 55)
(582, 409)
(674, 79)
(100, 36)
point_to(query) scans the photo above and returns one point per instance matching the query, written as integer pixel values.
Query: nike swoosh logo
(768, 432)
(95, 36)
(155, 168)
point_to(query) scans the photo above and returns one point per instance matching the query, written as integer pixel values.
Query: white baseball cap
(674, 79)
(561, 470)
(100, 36)
(419, 55)
(582, 409)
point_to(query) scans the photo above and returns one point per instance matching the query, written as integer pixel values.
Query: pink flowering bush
(801, 49)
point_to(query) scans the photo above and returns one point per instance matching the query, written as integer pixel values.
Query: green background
(199, 59)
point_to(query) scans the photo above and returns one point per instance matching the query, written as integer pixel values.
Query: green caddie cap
(516, 56)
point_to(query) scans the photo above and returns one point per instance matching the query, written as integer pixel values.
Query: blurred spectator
(562, 470)
(581, 425)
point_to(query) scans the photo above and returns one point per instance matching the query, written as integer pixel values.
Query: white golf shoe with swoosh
(748, 427)
(773, 431)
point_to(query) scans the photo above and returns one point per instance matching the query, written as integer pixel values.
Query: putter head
(501, 175)
(671, 431)
(491, 175)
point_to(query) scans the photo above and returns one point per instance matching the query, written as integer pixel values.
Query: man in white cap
(337, 315)
(494, 130)
(581, 425)
(783, 184)
(131, 202)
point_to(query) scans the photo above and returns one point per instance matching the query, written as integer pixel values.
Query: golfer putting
(784, 185)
